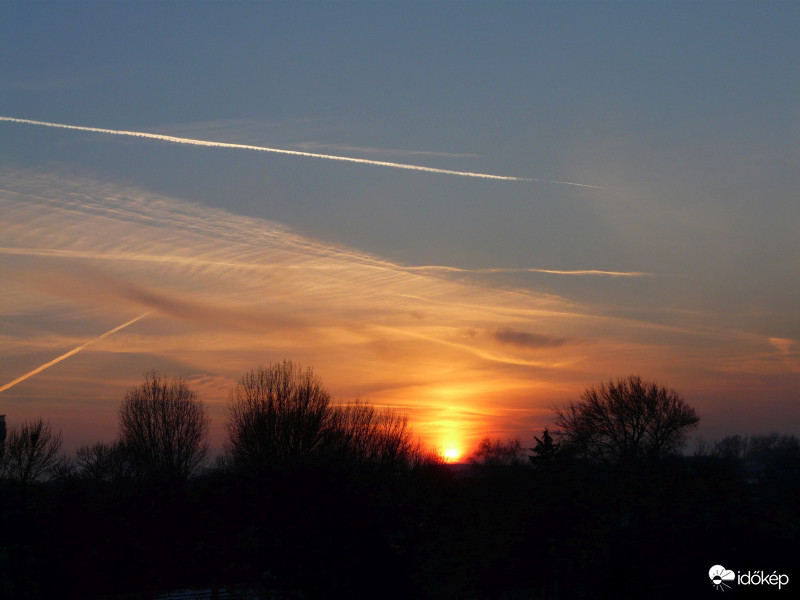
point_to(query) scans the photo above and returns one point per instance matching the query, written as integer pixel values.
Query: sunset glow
(394, 300)
(461, 352)
(451, 454)
(470, 261)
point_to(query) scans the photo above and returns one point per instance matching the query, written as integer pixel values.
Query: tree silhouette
(626, 421)
(31, 451)
(277, 416)
(163, 428)
(731, 447)
(497, 452)
(102, 462)
(357, 432)
(545, 450)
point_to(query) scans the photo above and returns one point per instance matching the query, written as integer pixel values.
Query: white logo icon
(719, 575)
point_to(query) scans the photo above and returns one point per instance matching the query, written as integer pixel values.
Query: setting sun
(451, 454)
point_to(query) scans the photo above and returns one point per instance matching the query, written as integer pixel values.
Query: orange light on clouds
(462, 358)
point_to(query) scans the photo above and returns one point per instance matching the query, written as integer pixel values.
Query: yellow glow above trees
(451, 454)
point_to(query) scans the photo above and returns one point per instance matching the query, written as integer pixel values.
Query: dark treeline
(313, 500)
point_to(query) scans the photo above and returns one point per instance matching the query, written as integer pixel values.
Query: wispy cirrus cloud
(368, 262)
(527, 340)
(231, 292)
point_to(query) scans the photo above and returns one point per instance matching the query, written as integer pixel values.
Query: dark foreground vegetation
(356, 510)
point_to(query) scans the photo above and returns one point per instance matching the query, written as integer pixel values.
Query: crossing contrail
(211, 144)
(70, 353)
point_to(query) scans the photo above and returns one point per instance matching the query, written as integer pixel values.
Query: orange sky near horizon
(470, 229)
(462, 354)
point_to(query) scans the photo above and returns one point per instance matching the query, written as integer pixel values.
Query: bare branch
(31, 451)
(626, 420)
(163, 428)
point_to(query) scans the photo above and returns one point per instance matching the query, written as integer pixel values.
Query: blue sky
(684, 115)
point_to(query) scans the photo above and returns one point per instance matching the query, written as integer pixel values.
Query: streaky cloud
(46, 365)
(232, 290)
(524, 339)
(212, 144)
(488, 270)
(366, 262)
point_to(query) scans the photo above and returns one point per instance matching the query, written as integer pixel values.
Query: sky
(611, 188)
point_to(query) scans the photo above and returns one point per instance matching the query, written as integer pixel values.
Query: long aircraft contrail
(211, 144)
(367, 262)
(490, 270)
(70, 353)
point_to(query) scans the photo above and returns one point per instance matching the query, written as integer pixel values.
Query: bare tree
(773, 446)
(102, 462)
(626, 420)
(731, 447)
(360, 433)
(31, 451)
(277, 416)
(497, 452)
(163, 428)
(393, 439)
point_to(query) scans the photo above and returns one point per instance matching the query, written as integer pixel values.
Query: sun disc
(451, 454)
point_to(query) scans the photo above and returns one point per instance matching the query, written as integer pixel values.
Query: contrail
(363, 161)
(447, 269)
(70, 353)
(366, 262)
